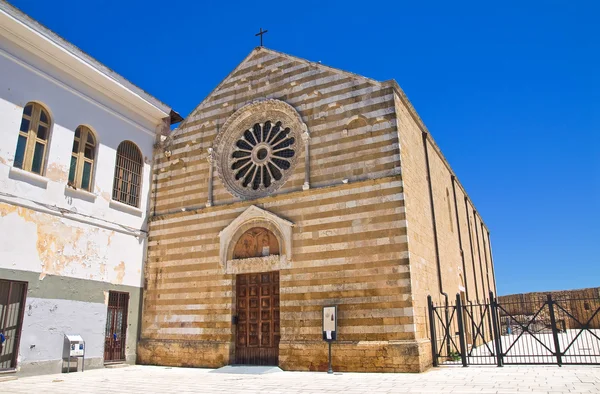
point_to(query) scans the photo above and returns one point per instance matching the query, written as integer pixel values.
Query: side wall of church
(349, 234)
(424, 271)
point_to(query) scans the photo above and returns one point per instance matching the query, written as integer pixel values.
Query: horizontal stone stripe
(376, 264)
(395, 216)
(337, 295)
(212, 264)
(293, 328)
(189, 267)
(208, 298)
(208, 331)
(391, 336)
(357, 284)
(359, 300)
(195, 324)
(334, 261)
(293, 286)
(365, 307)
(334, 242)
(214, 291)
(203, 309)
(188, 289)
(351, 227)
(172, 318)
(376, 324)
(188, 277)
(375, 313)
(165, 287)
(154, 335)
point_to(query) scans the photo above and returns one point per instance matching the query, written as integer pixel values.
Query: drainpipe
(471, 247)
(462, 254)
(435, 234)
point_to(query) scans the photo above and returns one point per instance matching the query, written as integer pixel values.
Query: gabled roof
(36, 38)
(259, 50)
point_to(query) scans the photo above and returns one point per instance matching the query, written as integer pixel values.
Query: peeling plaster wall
(49, 231)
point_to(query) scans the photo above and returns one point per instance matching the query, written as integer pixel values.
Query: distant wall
(576, 307)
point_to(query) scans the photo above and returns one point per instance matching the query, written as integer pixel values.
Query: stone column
(210, 157)
(306, 139)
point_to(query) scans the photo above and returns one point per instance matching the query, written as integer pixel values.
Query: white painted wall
(47, 228)
(104, 248)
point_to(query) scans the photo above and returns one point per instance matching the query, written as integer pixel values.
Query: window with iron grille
(128, 174)
(82, 159)
(32, 144)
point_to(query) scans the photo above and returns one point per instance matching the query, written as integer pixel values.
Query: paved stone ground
(165, 380)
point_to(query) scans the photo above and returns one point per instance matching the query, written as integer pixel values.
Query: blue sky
(509, 90)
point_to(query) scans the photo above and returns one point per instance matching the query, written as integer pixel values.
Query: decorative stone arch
(250, 218)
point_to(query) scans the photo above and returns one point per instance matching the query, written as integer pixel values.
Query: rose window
(262, 155)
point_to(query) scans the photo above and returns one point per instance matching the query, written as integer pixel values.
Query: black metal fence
(562, 331)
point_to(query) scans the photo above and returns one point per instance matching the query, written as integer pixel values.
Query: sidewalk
(165, 380)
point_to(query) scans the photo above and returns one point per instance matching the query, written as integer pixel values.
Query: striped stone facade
(349, 240)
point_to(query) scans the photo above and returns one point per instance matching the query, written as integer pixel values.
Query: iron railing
(565, 330)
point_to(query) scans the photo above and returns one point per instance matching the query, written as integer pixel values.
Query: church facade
(293, 186)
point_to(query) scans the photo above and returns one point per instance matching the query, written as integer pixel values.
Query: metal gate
(115, 340)
(561, 331)
(12, 306)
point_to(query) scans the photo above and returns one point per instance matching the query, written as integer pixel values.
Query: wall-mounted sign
(329, 323)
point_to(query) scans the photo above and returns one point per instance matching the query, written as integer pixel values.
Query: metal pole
(461, 331)
(330, 370)
(432, 332)
(554, 330)
(496, 329)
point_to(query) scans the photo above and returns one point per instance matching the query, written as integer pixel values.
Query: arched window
(128, 174)
(82, 159)
(32, 144)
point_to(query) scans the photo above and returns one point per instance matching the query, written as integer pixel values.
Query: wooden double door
(257, 300)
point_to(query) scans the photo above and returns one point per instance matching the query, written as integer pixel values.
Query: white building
(76, 146)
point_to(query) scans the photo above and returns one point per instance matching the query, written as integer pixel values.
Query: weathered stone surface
(347, 235)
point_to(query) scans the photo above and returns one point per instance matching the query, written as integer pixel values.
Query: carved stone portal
(256, 241)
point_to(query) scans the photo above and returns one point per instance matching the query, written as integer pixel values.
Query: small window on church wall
(449, 210)
(32, 143)
(256, 242)
(82, 159)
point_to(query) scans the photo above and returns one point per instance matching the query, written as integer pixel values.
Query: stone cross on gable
(260, 33)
